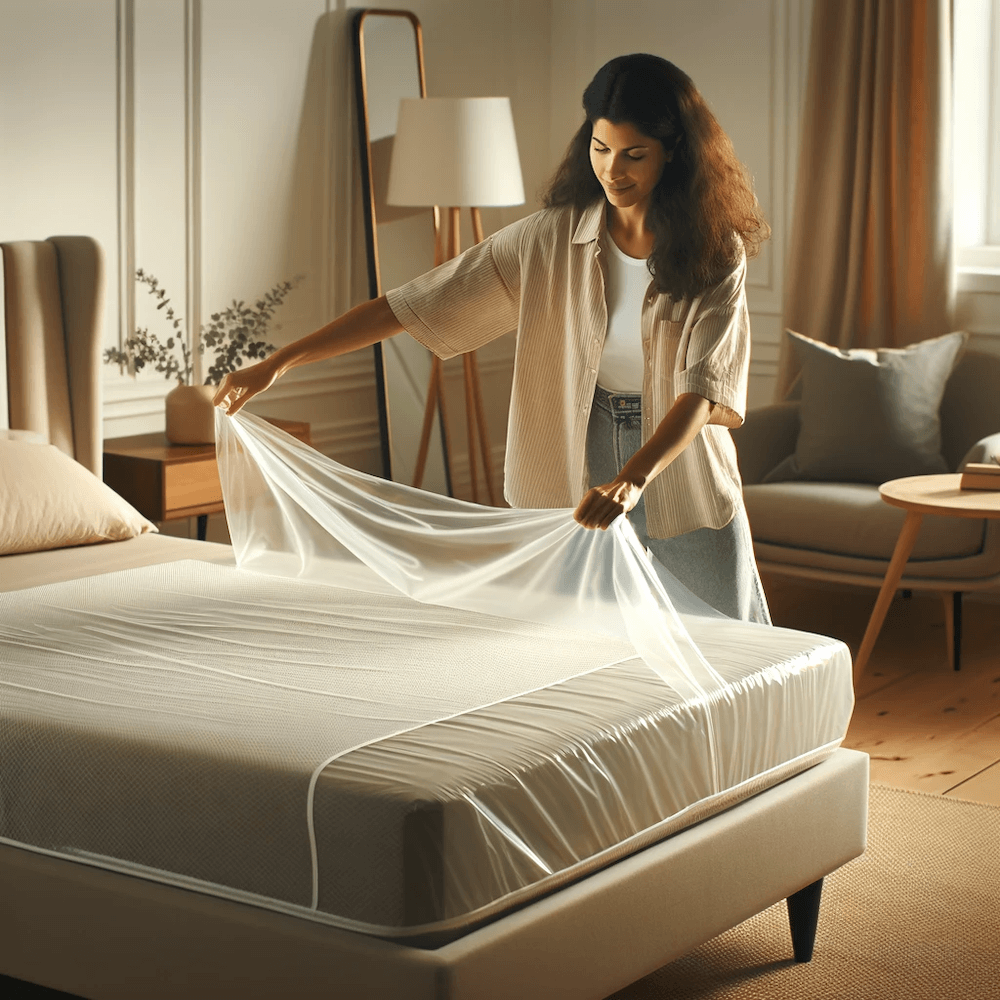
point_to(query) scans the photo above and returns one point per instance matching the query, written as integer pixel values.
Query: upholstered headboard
(4, 409)
(52, 319)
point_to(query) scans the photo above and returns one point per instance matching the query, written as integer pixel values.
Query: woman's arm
(362, 326)
(682, 424)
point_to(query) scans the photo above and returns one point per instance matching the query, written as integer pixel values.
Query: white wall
(211, 142)
(58, 152)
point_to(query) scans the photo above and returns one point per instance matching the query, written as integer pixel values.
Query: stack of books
(981, 476)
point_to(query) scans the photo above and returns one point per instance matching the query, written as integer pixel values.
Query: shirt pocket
(663, 350)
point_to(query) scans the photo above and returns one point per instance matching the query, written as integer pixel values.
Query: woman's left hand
(602, 504)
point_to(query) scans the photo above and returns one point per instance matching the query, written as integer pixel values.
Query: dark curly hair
(703, 207)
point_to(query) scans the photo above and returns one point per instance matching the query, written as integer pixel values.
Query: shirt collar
(591, 224)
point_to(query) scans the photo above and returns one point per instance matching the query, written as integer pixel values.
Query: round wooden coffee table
(919, 495)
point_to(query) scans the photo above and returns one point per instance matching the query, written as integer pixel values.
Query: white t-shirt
(621, 361)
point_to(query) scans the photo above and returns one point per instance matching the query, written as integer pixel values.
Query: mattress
(428, 833)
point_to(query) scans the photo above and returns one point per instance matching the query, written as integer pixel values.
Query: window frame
(976, 151)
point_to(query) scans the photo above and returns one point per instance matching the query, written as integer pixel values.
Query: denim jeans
(716, 564)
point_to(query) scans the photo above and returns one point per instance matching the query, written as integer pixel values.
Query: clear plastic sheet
(403, 714)
(293, 511)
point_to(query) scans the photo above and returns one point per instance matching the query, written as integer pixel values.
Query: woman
(627, 293)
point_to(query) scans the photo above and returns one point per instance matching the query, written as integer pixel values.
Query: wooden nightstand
(167, 482)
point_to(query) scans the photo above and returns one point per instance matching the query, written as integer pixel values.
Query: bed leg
(803, 915)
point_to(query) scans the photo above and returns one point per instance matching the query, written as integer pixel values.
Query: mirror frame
(371, 222)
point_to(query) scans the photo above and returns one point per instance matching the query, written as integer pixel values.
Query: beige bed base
(104, 935)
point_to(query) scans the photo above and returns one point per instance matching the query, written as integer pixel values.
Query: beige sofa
(844, 532)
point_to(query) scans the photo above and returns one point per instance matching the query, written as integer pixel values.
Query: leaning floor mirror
(401, 243)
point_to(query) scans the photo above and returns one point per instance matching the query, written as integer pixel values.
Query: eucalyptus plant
(233, 334)
(239, 332)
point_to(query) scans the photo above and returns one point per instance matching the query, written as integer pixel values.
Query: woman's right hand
(239, 387)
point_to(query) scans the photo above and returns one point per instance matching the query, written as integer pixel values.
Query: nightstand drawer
(190, 484)
(166, 481)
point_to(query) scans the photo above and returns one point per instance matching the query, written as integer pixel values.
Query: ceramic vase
(191, 415)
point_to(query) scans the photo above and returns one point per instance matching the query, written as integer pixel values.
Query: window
(976, 125)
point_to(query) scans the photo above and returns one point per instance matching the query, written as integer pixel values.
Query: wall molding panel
(125, 134)
(192, 177)
(325, 379)
(765, 294)
(345, 434)
(764, 289)
(137, 396)
(790, 26)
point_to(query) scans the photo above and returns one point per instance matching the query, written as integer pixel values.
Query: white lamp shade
(455, 151)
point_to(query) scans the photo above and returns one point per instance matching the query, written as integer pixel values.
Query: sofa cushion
(850, 519)
(868, 416)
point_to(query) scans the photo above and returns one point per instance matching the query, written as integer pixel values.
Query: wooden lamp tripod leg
(475, 412)
(474, 399)
(433, 393)
(470, 422)
(472, 376)
(435, 384)
(435, 401)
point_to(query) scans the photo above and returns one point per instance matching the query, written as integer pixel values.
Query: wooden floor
(926, 727)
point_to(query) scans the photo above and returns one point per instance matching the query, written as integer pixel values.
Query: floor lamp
(458, 152)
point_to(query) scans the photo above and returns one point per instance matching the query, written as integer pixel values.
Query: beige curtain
(870, 254)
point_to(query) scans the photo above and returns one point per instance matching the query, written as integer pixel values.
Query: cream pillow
(48, 501)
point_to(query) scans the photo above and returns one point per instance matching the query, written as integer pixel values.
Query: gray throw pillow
(868, 416)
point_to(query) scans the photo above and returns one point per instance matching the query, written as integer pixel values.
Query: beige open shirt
(544, 276)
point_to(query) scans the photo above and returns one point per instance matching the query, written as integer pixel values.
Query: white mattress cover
(430, 832)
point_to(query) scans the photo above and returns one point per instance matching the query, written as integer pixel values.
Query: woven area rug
(917, 917)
